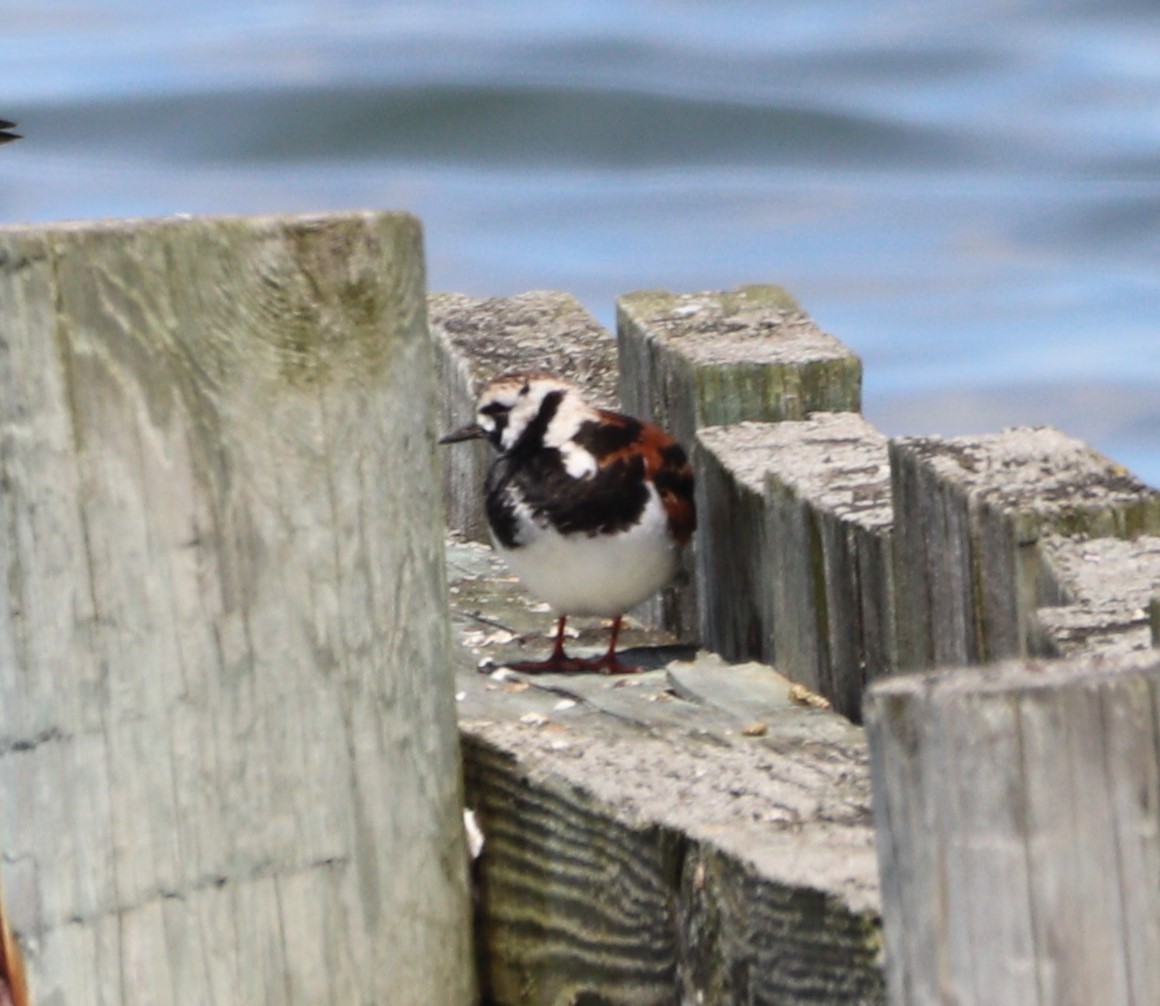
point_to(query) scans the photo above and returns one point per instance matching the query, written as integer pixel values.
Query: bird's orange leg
(558, 662)
(610, 663)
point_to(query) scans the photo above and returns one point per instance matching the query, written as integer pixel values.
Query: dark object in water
(5, 135)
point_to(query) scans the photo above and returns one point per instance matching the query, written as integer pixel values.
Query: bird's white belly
(604, 575)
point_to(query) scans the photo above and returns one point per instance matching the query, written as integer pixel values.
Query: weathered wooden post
(1018, 830)
(795, 566)
(228, 765)
(968, 516)
(714, 359)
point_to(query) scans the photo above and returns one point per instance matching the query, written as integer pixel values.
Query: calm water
(967, 193)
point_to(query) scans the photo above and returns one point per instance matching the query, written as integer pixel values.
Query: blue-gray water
(967, 193)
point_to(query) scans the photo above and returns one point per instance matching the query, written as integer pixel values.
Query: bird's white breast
(602, 574)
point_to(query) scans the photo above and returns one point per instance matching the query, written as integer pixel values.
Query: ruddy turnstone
(589, 507)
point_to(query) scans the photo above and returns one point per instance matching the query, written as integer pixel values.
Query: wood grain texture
(969, 512)
(477, 339)
(720, 358)
(640, 846)
(1096, 595)
(1018, 828)
(228, 765)
(816, 581)
(735, 558)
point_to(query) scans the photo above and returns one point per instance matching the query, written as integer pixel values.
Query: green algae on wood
(711, 359)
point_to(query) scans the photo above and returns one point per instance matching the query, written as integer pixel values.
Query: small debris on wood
(475, 838)
(804, 697)
(477, 639)
(759, 728)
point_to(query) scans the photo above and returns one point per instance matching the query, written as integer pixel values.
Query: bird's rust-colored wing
(665, 462)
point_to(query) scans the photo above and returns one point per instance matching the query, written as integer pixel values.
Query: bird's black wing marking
(611, 500)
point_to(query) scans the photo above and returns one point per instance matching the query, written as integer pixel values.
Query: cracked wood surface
(228, 771)
(1016, 808)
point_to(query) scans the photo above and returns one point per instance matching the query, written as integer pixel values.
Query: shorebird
(589, 507)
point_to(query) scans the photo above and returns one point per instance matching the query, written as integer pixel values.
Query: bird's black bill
(5, 135)
(472, 431)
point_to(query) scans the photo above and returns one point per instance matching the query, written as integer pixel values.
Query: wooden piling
(228, 764)
(735, 556)
(715, 359)
(795, 552)
(1017, 811)
(969, 512)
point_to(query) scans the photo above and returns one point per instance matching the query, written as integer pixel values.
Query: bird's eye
(495, 409)
(525, 389)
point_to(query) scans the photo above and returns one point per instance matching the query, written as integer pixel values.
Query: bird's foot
(557, 663)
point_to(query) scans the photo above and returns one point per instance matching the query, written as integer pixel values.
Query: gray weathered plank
(477, 339)
(660, 838)
(1018, 824)
(1097, 593)
(715, 359)
(735, 558)
(969, 512)
(810, 579)
(228, 763)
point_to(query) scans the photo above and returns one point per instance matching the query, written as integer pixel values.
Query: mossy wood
(228, 765)
(713, 359)
(719, 358)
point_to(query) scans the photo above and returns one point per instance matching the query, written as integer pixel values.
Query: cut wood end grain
(751, 325)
